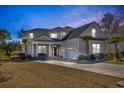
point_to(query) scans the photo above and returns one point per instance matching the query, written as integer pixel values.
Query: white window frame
(63, 33)
(31, 35)
(53, 35)
(42, 49)
(96, 48)
(93, 32)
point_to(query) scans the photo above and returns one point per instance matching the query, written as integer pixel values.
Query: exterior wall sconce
(55, 46)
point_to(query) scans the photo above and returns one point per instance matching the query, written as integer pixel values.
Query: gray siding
(82, 46)
(103, 45)
(121, 46)
(99, 32)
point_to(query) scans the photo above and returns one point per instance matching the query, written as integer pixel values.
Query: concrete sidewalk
(103, 68)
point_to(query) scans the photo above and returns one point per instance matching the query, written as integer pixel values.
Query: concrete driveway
(103, 68)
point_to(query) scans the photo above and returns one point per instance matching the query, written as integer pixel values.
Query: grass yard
(34, 74)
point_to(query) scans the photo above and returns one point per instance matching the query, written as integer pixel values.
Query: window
(42, 49)
(31, 35)
(93, 32)
(95, 48)
(53, 35)
(63, 33)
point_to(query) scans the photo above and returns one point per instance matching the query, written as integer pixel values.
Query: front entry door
(56, 50)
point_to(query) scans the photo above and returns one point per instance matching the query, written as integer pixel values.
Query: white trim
(32, 50)
(50, 50)
(36, 50)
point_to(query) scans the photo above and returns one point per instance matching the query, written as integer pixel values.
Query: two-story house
(66, 42)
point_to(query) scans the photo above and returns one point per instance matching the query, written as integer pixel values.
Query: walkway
(103, 68)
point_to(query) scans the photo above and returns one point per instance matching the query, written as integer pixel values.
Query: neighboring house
(66, 42)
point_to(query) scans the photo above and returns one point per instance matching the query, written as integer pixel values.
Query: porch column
(29, 50)
(36, 50)
(32, 50)
(50, 50)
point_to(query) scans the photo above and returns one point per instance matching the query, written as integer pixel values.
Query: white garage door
(71, 54)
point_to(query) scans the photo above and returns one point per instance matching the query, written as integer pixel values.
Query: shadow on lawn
(5, 76)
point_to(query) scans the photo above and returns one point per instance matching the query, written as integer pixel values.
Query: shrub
(111, 54)
(4, 57)
(122, 53)
(82, 57)
(42, 56)
(102, 55)
(118, 55)
(29, 57)
(22, 56)
(92, 57)
(2, 52)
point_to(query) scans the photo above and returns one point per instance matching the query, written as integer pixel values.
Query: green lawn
(34, 74)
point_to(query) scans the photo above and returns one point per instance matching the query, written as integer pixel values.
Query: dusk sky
(13, 18)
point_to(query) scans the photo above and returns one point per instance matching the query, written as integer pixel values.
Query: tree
(116, 38)
(115, 27)
(107, 21)
(9, 47)
(4, 34)
(21, 33)
(86, 39)
(26, 41)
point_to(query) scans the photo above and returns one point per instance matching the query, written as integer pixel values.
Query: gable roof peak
(57, 28)
(79, 30)
(68, 27)
(39, 29)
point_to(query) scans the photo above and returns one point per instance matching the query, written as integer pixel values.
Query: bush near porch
(122, 53)
(99, 56)
(3, 55)
(82, 57)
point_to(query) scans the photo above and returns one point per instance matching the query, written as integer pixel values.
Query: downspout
(78, 48)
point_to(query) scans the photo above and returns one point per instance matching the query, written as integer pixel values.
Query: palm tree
(4, 34)
(26, 42)
(86, 39)
(116, 38)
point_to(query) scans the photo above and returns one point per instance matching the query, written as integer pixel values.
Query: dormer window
(31, 35)
(93, 32)
(63, 33)
(53, 35)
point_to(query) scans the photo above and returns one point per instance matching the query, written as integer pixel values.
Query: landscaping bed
(115, 62)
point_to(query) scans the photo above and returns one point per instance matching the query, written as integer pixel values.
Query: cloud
(121, 23)
(80, 15)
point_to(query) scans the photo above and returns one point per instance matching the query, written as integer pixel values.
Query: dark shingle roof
(62, 29)
(78, 31)
(40, 30)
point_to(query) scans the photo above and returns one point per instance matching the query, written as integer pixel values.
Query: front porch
(50, 49)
